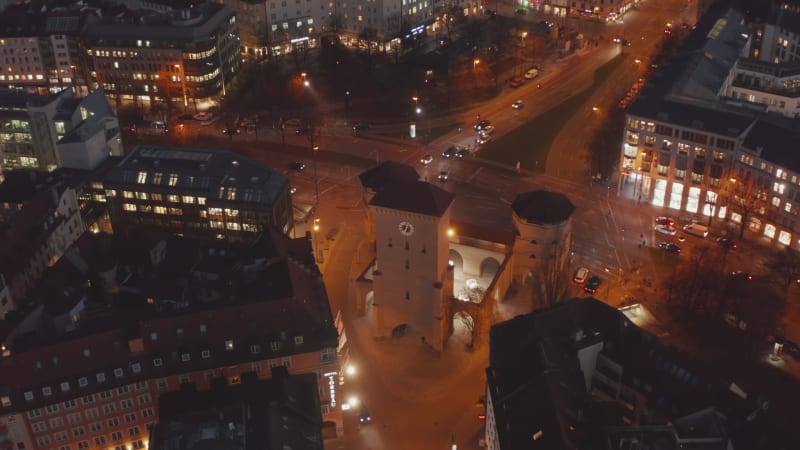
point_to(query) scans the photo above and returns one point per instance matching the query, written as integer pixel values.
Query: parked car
(487, 130)
(593, 284)
(531, 73)
(297, 166)
(427, 159)
(696, 229)
(483, 139)
(665, 221)
(519, 104)
(305, 130)
(666, 229)
(616, 39)
(449, 153)
(516, 82)
(203, 116)
(463, 153)
(483, 123)
(670, 247)
(580, 275)
(230, 131)
(360, 126)
(444, 175)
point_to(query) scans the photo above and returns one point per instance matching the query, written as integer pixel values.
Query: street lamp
(416, 104)
(315, 239)
(475, 63)
(305, 79)
(315, 149)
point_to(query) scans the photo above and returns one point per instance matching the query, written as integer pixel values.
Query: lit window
(173, 179)
(229, 344)
(142, 178)
(129, 207)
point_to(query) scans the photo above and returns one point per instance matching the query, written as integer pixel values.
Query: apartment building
(239, 415)
(778, 40)
(59, 130)
(39, 220)
(41, 48)
(689, 148)
(126, 321)
(194, 192)
(776, 86)
(580, 374)
(186, 56)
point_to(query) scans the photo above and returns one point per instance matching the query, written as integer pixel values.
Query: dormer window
(229, 344)
(179, 332)
(185, 357)
(205, 354)
(154, 336)
(255, 349)
(46, 391)
(101, 377)
(87, 353)
(65, 386)
(157, 362)
(83, 382)
(203, 328)
(118, 372)
(136, 368)
(28, 395)
(298, 340)
(275, 346)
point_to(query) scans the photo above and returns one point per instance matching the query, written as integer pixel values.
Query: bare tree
(747, 196)
(785, 267)
(469, 323)
(550, 279)
(696, 284)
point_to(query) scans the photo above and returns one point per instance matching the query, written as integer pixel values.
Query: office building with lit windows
(194, 192)
(41, 49)
(122, 321)
(185, 56)
(690, 149)
(60, 130)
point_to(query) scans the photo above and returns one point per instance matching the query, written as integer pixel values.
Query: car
(729, 243)
(665, 221)
(516, 82)
(616, 39)
(519, 104)
(521, 12)
(483, 123)
(626, 43)
(483, 139)
(592, 284)
(449, 153)
(360, 126)
(305, 130)
(789, 346)
(463, 153)
(670, 247)
(249, 120)
(444, 175)
(230, 131)
(666, 229)
(741, 275)
(183, 117)
(292, 190)
(531, 73)
(667, 31)
(363, 415)
(203, 116)
(696, 229)
(487, 130)
(427, 159)
(580, 275)
(297, 166)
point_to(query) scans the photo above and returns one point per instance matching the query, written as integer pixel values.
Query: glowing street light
(475, 63)
(350, 370)
(305, 79)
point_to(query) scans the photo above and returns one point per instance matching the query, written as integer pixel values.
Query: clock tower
(412, 253)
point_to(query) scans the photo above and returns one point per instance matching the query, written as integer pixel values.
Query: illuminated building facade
(40, 50)
(60, 130)
(185, 56)
(118, 328)
(195, 192)
(688, 150)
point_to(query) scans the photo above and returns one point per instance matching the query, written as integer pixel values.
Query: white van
(696, 229)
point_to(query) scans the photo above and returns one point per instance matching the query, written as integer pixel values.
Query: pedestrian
(423, 340)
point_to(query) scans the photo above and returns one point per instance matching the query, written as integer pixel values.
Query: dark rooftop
(543, 207)
(387, 173)
(417, 197)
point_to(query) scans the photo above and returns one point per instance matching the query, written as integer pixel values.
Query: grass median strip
(530, 143)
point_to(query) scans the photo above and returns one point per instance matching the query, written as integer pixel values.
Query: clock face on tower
(406, 229)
